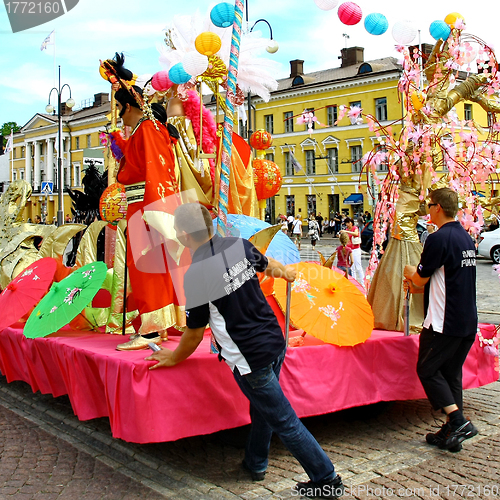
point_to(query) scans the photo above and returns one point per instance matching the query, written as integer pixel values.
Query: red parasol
(26, 290)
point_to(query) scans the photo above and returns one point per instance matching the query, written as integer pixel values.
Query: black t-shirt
(222, 289)
(449, 260)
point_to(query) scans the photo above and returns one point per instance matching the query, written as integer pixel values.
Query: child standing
(343, 254)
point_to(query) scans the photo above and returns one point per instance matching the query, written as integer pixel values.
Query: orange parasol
(326, 305)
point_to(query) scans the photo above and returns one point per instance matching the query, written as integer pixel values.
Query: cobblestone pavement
(380, 450)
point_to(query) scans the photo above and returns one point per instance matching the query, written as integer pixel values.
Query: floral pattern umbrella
(26, 290)
(326, 305)
(65, 300)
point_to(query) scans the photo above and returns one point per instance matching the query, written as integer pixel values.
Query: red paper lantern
(350, 13)
(267, 178)
(261, 139)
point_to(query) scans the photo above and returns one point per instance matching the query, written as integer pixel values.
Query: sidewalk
(379, 450)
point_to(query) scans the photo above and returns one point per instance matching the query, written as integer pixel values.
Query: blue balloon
(439, 29)
(222, 15)
(178, 74)
(376, 24)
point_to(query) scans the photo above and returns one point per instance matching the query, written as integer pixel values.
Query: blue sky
(95, 29)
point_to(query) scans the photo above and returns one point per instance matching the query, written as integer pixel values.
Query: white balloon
(141, 81)
(404, 32)
(195, 63)
(326, 4)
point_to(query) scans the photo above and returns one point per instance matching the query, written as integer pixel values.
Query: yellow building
(35, 154)
(328, 178)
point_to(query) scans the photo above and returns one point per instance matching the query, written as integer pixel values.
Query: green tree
(6, 129)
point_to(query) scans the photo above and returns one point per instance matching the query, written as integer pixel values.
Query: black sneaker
(256, 476)
(455, 437)
(437, 438)
(332, 488)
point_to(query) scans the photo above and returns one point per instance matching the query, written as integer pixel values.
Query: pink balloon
(350, 13)
(161, 81)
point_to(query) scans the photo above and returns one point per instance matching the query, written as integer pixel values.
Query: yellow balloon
(452, 18)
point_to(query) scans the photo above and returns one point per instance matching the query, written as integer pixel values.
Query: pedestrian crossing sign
(47, 187)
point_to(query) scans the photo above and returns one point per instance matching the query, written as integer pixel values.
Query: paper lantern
(161, 82)
(261, 139)
(195, 63)
(376, 24)
(452, 18)
(404, 32)
(222, 15)
(418, 100)
(439, 30)
(208, 43)
(178, 74)
(141, 82)
(350, 13)
(267, 178)
(113, 204)
(326, 4)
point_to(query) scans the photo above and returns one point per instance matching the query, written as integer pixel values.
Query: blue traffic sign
(47, 187)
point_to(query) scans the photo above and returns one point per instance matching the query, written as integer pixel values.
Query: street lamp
(50, 109)
(271, 48)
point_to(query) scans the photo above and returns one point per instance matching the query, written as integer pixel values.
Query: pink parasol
(26, 290)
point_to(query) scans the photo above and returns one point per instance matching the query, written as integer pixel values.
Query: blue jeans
(270, 411)
(342, 268)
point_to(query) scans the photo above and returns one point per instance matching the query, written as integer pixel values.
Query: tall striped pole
(227, 138)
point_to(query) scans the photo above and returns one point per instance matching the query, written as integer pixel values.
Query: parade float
(64, 323)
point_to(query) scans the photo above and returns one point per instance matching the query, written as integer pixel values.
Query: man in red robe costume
(147, 169)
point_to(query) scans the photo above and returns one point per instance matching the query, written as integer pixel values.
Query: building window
(89, 141)
(14, 153)
(331, 115)
(489, 117)
(77, 176)
(77, 143)
(333, 160)
(356, 155)
(467, 112)
(268, 121)
(355, 103)
(270, 157)
(23, 150)
(384, 164)
(243, 129)
(311, 204)
(310, 162)
(289, 170)
(290, 204)
(381, 109)
(288, 121)
(310, 125)
(14, 175)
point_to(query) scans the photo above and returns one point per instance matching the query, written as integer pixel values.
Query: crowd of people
(339, 225)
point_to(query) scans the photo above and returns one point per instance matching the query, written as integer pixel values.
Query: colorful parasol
(327, 306)
(281, 247)
(113, 204)
(65, 300)
(26, 290)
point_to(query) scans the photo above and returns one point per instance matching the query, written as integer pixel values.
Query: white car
(489, 245)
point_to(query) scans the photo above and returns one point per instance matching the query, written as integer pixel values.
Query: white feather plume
(255, 73)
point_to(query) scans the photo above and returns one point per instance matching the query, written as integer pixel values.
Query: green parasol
(65, 300)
